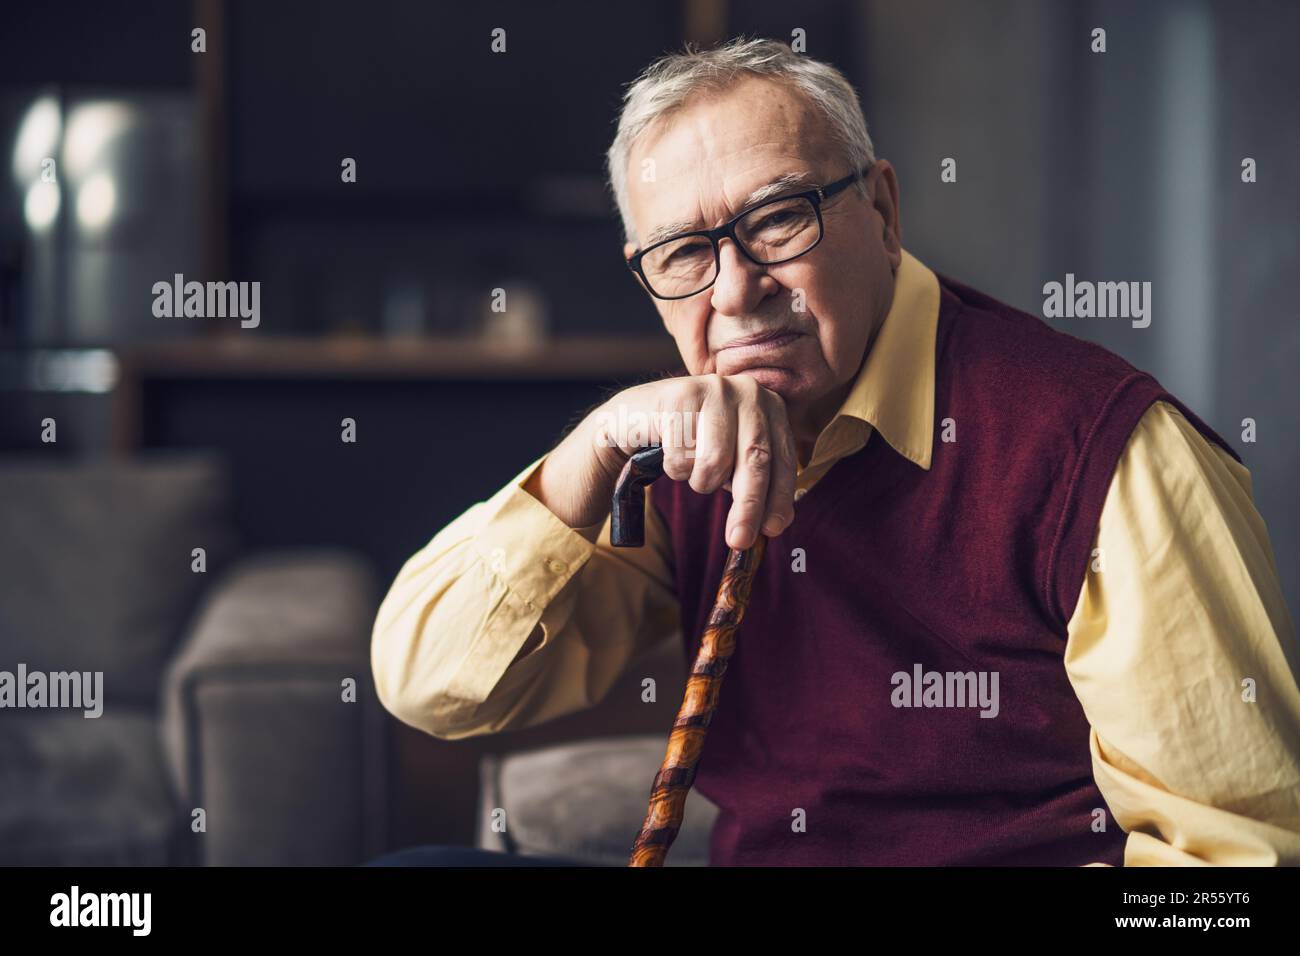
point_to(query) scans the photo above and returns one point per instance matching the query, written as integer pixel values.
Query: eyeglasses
(770, 233)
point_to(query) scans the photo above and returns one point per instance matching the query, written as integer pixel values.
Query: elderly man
(948, 486)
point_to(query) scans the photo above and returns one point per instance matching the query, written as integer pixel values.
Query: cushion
(585, 801)
(96, 563)
(84, 792)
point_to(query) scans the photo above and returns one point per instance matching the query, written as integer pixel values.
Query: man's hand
(716, 431)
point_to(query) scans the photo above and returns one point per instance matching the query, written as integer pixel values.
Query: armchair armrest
(256, 730)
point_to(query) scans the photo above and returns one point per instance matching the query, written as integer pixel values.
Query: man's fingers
(751, 477)
(679, 456)
(730, 432)
(780, 492)
(715, 441)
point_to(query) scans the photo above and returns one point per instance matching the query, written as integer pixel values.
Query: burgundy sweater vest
(972, 566)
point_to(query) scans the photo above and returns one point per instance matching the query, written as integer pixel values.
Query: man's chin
(786, 382)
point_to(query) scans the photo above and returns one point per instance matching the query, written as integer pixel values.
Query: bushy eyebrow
(776, 187)
(761, 194)
(668, 231)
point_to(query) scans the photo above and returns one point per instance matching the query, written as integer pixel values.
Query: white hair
(670, 81)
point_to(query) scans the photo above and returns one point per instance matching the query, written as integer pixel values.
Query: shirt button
(799, 493)
(529, 606)
(556, 567)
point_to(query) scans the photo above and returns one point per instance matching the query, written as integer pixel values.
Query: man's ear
(882, 187)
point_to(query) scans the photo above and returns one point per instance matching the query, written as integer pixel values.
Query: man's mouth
(761, 338)
(751, 350)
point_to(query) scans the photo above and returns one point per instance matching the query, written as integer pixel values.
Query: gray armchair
(223, 689)
(583, 801)
(256, 729)
(579, 787)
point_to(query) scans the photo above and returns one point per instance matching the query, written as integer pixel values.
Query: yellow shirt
(1180, 649)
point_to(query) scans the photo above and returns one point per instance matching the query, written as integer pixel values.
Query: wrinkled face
(799, 328)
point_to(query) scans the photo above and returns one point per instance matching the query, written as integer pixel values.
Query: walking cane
(673, 781)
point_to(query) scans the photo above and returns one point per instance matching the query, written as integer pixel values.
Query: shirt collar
(894, 390)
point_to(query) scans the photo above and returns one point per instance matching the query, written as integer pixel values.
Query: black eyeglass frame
(817, 195)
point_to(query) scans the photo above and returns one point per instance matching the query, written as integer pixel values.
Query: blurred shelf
(257, 361)
(571, 201)
(236, 357)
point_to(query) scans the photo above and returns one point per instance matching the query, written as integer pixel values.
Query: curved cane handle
(627, 512)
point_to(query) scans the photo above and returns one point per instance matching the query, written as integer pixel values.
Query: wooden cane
(686, 742)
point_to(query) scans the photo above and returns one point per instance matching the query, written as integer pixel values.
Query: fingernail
(739, 534)
(772, 526)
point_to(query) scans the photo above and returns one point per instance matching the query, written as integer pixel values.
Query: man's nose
(741, 284)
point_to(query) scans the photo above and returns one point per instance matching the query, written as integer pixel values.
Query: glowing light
(74, 370)
(41, 206)
(96, 201)
(90, 128)
(38, 138)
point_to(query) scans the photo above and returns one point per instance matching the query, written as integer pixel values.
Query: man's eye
(777, 219)
(689, 252)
